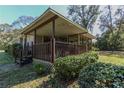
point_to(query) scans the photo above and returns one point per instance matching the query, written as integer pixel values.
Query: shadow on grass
(19, 76)
(119, 54)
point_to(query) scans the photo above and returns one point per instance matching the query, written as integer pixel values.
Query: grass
(23, 77)
(19, 77)
(113, 58)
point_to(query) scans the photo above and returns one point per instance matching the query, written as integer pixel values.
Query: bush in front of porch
(68, 68)
(101, 75)
(42, 67)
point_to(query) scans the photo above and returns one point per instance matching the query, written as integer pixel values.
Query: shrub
(95, 48)
(68, 68)
(90, 57)
(39, 68)
(42, 68)
(14, 48)
(101, 75)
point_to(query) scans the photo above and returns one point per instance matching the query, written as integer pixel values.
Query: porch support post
(78, 39)
(53, 42)
(78, 43)
(21, 42)
(86, 45)
(25, 42)
(35, 36)
(42, 39)
(34, 50)
(90, 44)
(67, 39)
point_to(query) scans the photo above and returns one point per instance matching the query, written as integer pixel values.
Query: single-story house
(52, 35)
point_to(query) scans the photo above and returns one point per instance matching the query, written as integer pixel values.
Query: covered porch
(54, 37)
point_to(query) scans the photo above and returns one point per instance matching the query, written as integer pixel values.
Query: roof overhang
(64, 26)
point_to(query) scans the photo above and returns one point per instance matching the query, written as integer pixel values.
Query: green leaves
(101, 75)
(68, 68)
(39, 68)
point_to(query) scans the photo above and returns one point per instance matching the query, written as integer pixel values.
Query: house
(52, 35)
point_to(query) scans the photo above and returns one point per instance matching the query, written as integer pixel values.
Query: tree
(107, 19)
(111, 21)
(102, 41)
(120, 23)
(6, 38)
(84, 15)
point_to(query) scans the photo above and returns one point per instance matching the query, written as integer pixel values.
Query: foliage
(39, 68)
(12, 49)
(94, 48)
(42, 68)
(84, 15)
(101, 75)
(107, 41)
(53, 82)
(17, 46)
(8, 38)
(68, 68)
(5, 58)
(111, 21)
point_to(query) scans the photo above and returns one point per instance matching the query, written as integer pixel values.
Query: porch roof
(63, 26)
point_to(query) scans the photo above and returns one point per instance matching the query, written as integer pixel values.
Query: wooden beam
(35, 37)
(21, 42)
(25, 42)
(43, 24)
(35, 32)
(53, 42)
(78, 39)
(42, 38)
(79, 33)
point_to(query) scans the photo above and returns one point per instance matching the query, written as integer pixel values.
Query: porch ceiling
(62, 28)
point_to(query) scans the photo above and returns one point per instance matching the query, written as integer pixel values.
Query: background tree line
(111, 24)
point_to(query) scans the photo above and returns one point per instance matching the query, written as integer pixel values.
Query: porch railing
(43, 50)
(64, 49)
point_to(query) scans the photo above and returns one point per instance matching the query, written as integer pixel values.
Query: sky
(10, 13)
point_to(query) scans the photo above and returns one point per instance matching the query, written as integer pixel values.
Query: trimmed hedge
(68, 68)
(101, 75)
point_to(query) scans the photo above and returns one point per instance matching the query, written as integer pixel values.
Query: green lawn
(113, 58)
